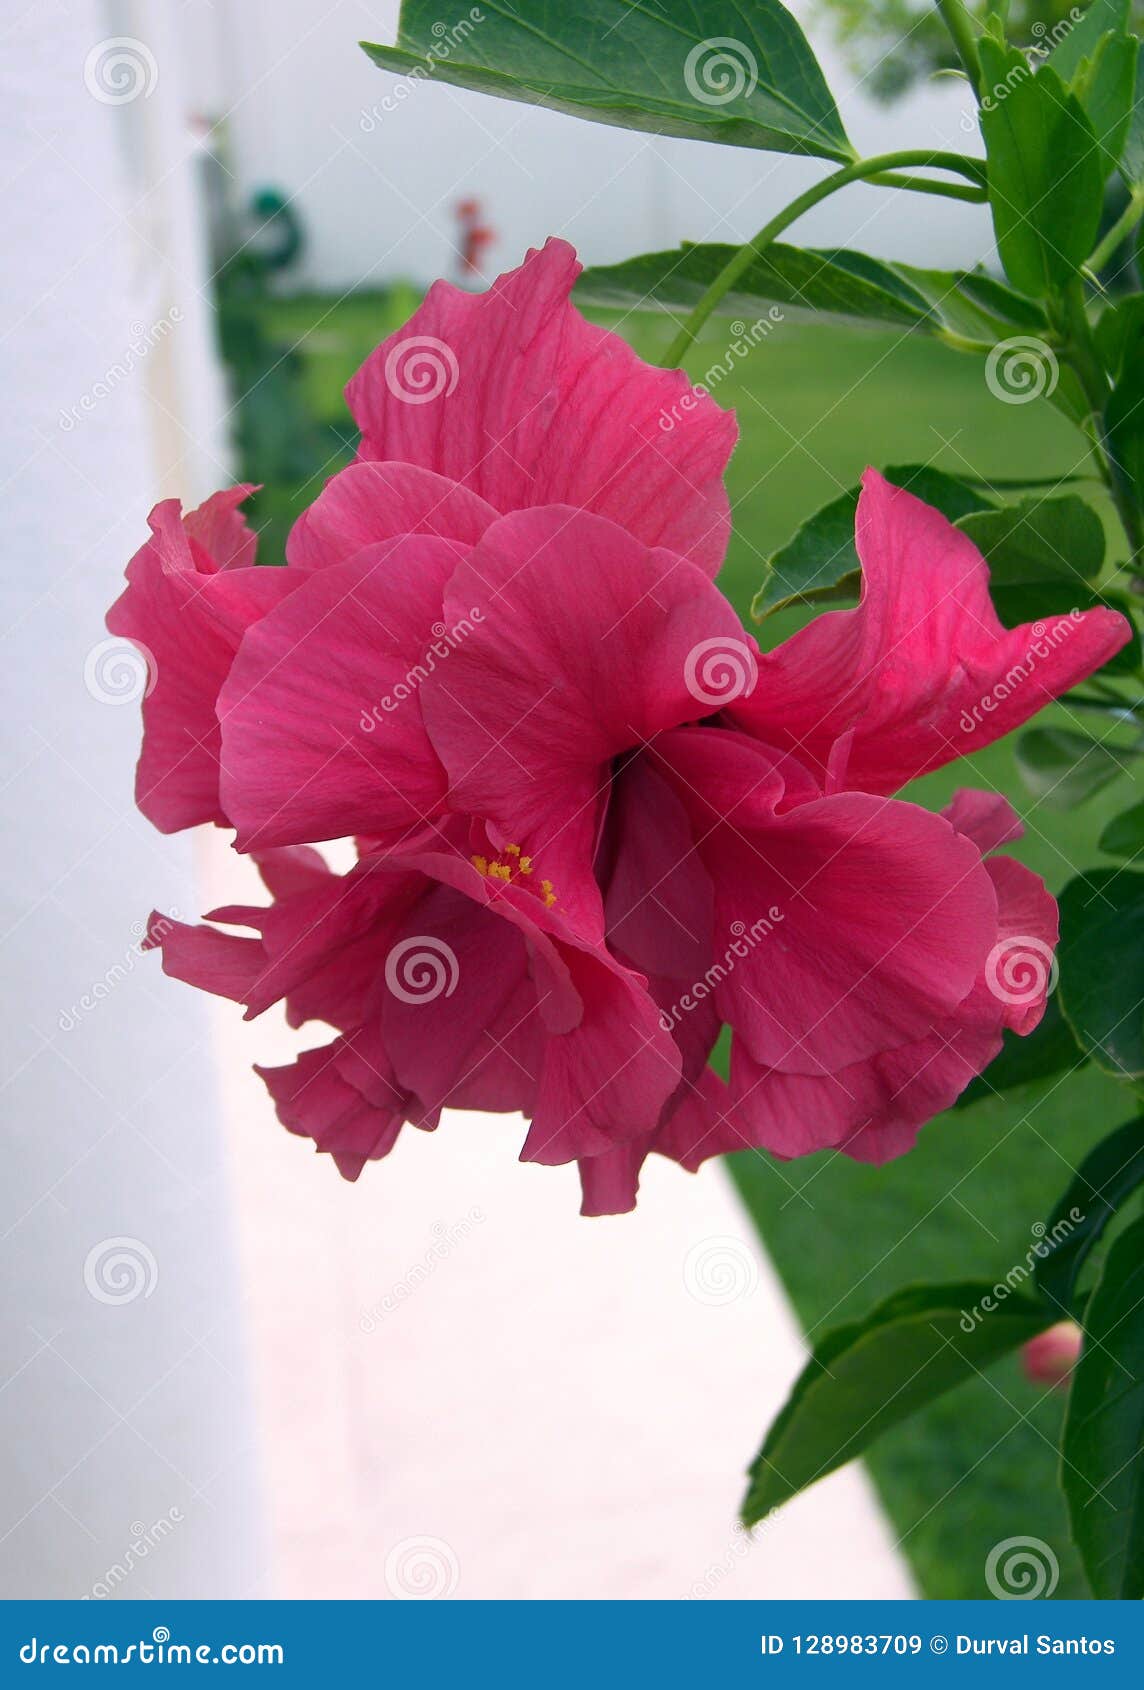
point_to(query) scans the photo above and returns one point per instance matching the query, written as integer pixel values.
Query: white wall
(126, 1454)
(376, 189)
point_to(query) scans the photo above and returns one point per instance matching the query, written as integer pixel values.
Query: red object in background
(475, 236)
(1050, 1357)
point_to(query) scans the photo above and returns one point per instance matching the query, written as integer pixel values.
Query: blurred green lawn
(816, 404)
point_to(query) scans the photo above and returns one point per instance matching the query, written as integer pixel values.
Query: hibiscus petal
(222, 530)
(370, 502)
(321, 731)
(610, 1182)
(513, 394)
(188, 611)
(584, 648)
(314, 1100)
(922, 671)
(850, 923)
(987, 818)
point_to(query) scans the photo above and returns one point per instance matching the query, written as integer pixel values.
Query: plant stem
(960, 27)
(860, 170)
(1123, 226)
(925, 185)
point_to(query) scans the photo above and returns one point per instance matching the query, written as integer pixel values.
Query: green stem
(924, 185)
(960, 27)
(1123, 227)
(861, 170)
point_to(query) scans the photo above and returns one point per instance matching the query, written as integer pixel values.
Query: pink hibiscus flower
(594, 823)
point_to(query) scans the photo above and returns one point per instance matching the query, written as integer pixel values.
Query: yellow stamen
(526, 865)
(481, 864)
(512, 850)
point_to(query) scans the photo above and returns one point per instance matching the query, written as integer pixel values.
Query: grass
(815, 405)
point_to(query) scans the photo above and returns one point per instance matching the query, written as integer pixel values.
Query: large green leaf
(820, 563)
(866, 1377)
(803, 281)
(1103, 1445)
(1107, 1176)
(1101, 957)
(1062, 768)
(714, 70)
(1046, 175)
(1049, 1049)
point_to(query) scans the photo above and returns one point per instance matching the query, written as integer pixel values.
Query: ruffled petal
(584, 647)
(321, 730)
(188, 609)
(848, 924)
(515, 396)
(922, 671)
(370, 502)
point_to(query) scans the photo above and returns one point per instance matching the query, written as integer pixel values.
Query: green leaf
(1124, 835)
(820, 563)
(1118, 332)
(1105, 1179)
(1043, 556)
(1106, 89)
(1049, 1049)
(1046, 177)
(1022, 543)
(1084, 37)
(1132, 153)
(866, 1377)
(1062, 768)
(804, 282)
(714, 70)
(1124, 420)
(1103, 1444)
(1101, 956)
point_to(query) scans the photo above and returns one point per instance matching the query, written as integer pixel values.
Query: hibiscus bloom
(597, 822)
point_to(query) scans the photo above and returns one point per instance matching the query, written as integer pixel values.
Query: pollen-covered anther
(494, 868)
